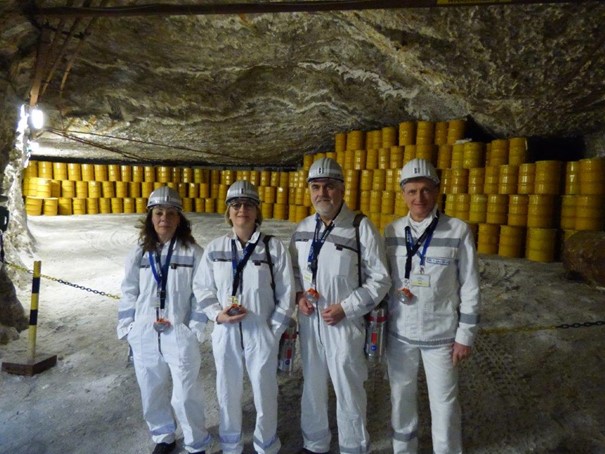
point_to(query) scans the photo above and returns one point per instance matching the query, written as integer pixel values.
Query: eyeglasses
(238, 205)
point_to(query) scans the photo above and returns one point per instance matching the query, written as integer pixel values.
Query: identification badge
(161, 325)
(235, 307)
(421, 280)
(308, 276)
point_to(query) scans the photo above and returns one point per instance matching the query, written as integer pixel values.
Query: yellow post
(33, 313)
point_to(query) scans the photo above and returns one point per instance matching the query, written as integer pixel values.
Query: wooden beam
(159, 9)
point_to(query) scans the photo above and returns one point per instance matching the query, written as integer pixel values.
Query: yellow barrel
(187, 204)
(163, 174)
(129, 205)
(388, 202)
(476, 180)
(478, 208)
(275, 179)
(300, 196)
(548, 177)
(340, 142)
(455, 130)
(364, 201)
(108, 189)
(182, 189)
(371, 159)
(228, 177)
(488, 236)
(149, 173)
(45, 169)
(176, 173)
(462, 206)
(526, 178)
(592, 176)
(193, 190)
(350, 198)
(352, 179)
(101, 173)
(379, 180)
(359, 159)
(572, 178)
(121, 188)
(540, 245)
(446, 181)
(50, 206)
(95, 189)
(508, 179)
(497, 153)
(204, 190)
(209, 205)
(113, 172)
(280, 211)
(215, 176)
(396, 157)
(140, 204)
(491, 180)
(441, 133)
(355, 140)
(138, 174)
(425, 132)
(541, 211)
(391, 180)
(457, 161)
(511, 242)
(33, 205)
(450, 205)
(409, 153)
(472, 155)
(590, 212)
(373, 139)
(407, 133)
(59, 171)
(341, 158)
(186, 175)
(301, 212)
(389, 136)
(497, 209)
(135, 189)
(92, 206)
(104, 205)
(427, 151)
(147, 188)
(65, 207)
(269, 195)
(88, 172)
(307, 161)
(458, 183)
(222, 192)
(375, 201)
(444, 156)
(517, 210)
(267, 210)
(198, 204)
(31, 171)
(125, 173)
(517, 151)
(68, 189)
(568, 212)
(254, 177)
(43, 187)
(79, 205)
(117, 205)
(384, 158)
(81, 189)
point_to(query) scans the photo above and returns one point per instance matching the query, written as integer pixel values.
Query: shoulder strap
(266, 239)
(358, 218)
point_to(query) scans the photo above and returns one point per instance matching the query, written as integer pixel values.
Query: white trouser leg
(442, 383)
(403, 361)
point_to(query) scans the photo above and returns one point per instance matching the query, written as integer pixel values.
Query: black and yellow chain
(64, 282)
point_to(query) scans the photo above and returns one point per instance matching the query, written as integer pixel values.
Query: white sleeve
(284, 287)
(130, 292)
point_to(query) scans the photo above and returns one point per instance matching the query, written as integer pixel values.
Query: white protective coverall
(338, 351)
(427, 326)
(253, 343)
(179, 359)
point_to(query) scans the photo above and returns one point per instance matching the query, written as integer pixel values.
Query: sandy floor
(524, 391)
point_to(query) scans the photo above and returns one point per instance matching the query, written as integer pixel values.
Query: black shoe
(164, 448)
(306, 451)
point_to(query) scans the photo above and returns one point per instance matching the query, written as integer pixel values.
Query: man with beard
(340, 273)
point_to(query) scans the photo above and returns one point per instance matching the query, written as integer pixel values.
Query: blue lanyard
(238, 265)
(161, 272)
(317, 244)
(413, 247)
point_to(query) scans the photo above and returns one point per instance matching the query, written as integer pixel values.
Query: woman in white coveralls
(158, 316)
(234, 287)
(433, 311)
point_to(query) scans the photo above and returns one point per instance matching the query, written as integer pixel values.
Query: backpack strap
(358, 218)
(266, 239)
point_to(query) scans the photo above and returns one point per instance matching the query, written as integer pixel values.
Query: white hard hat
(165, 196)
(325, 168)
(242, 190)
(418, 168)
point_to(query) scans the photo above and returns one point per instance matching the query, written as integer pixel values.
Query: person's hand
(224, 317)
(460, 353)
(333, 314)
(304, 306)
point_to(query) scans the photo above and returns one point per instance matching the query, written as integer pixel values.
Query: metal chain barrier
(542, 328)
(61, 281)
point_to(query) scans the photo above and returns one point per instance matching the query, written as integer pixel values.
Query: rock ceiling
(263, 89)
